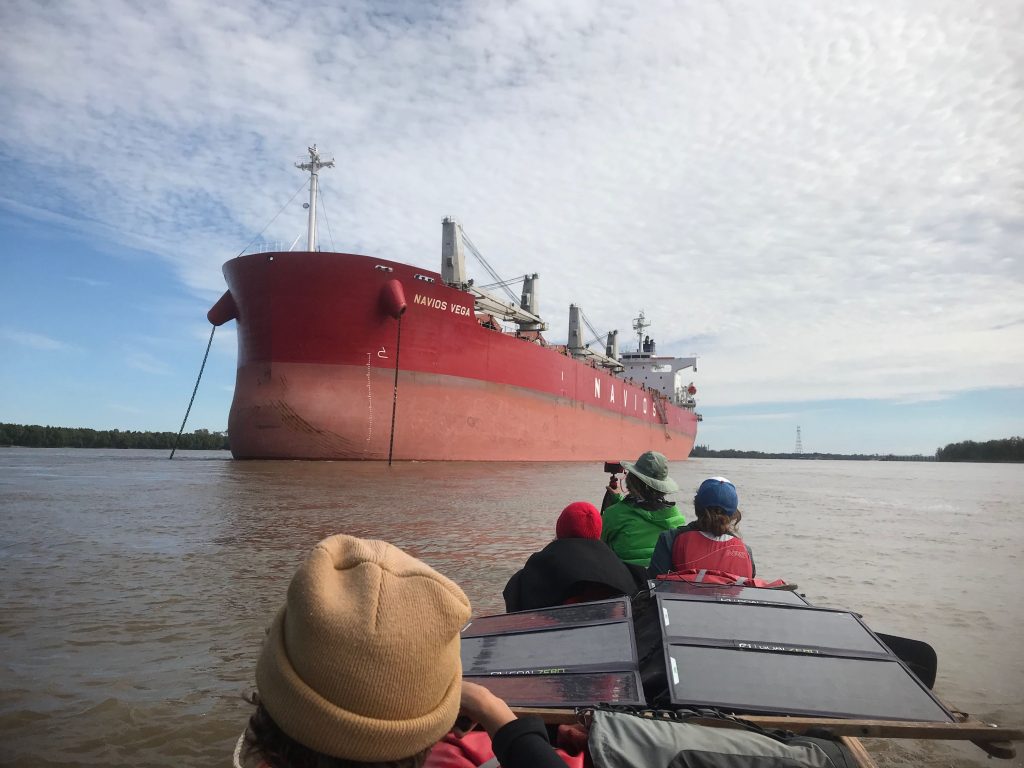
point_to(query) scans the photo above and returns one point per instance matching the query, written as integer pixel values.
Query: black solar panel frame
(663, 587)
(670, 636)
(566, 704)
(884, 656)
(565, 667)
(470, 631)
(740, 708)
(626, 619)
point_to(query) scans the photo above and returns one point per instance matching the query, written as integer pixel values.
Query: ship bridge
(663, 374)
(658, 372)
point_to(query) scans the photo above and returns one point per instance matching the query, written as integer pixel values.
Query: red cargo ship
(342, 356)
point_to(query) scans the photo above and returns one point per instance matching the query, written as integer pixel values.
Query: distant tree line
(35, 436)
(1010, 449)
(702, 451)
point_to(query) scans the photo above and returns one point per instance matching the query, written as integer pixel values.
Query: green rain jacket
(632, 531)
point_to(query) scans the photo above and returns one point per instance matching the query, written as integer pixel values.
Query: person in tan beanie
(361, 668)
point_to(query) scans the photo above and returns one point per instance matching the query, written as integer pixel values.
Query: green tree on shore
(35, 436)
(702, 451)
(1010, 449)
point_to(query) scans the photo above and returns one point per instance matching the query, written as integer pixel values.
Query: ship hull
(322, 336)
(344, 412)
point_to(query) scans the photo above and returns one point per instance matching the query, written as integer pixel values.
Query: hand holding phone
(613, 468)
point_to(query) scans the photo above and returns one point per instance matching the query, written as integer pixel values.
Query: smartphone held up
(613, 468)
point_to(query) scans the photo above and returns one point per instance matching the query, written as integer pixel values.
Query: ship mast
(638, 325)
(313, 166)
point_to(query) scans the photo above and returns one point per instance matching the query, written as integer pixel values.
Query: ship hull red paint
(344, 412)
(318, 342)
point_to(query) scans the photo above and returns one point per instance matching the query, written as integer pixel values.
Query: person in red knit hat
(580, 520)
(577, 566)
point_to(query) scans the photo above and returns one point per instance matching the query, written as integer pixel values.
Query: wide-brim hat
(652, 468)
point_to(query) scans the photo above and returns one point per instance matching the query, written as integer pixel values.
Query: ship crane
(576, 346)
(504, 283)
(453, 271)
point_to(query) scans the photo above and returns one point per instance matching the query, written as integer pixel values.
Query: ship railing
(684, 399)
(264, 247)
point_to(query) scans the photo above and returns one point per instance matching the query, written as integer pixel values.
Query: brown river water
(136, 589)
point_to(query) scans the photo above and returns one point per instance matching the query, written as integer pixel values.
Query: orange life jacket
(695, 550)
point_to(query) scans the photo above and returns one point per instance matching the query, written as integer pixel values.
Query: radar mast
(313, 166)
(639, 324)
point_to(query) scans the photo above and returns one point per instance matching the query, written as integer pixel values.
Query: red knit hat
(580, 520)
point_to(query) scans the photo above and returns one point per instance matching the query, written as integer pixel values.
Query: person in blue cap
(711, 542)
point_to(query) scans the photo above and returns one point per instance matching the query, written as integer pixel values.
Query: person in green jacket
(631, 525)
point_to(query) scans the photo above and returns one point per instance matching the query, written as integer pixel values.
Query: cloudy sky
(824, 202)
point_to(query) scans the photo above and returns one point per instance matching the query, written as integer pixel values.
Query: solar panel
(568, 690)
(564, 656)
(727, 652)
(734, 624)
(798, 684)
(596, 647)
(726, 593)
(577, 615)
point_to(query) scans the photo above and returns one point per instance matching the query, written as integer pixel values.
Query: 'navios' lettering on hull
(441, 304)
(638, 403)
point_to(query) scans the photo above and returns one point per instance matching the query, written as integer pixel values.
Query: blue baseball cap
(717, 492)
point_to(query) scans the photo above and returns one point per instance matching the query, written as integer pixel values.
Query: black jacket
(568, 568)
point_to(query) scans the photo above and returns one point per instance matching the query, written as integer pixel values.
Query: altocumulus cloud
(828, 195)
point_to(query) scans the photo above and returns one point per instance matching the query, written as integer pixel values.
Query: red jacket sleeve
(523, 743)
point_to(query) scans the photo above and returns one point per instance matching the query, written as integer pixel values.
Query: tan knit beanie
(363, 662)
